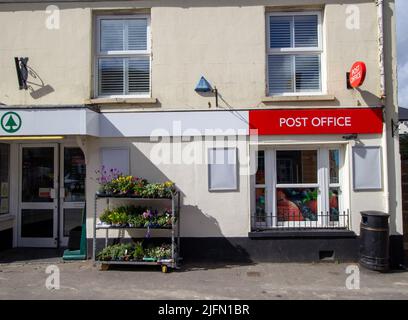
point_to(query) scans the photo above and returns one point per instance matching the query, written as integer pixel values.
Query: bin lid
(375, 213)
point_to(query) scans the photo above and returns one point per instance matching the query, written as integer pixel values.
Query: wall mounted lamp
(203, 86)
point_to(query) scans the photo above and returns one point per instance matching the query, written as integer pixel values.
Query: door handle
(52, 193)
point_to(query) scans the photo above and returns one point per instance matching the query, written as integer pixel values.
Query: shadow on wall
(214, 248)
(36, 85)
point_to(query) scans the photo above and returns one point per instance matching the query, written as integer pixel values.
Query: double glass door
(52, 194)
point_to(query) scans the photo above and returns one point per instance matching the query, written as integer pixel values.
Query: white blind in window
(139, 75)
(123, 35)
(111, 76)
(307, 73)
(306, 31)
(291, 70)
(293, 31)
(293, 73)
(280, 73)
(280, 35)
(124, 61)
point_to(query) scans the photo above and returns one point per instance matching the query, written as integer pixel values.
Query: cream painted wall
(204, 213)
(224, 42)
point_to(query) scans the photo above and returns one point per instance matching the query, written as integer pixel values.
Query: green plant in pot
(136, 221)
(138, 252)
(105, 217)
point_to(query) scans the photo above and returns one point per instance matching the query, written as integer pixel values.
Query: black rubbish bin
(374, 237)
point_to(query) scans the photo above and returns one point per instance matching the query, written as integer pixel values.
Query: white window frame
(323, 184)
(98, 54)
(298, 51)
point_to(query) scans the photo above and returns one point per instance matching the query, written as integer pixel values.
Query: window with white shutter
(294, 53)
(123, 56)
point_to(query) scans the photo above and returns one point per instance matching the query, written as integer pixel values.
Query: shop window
(294, 53)
(222, 169)
(74, 175)
(304, 191)
(296, 185)
(4, 178)
(123, 56)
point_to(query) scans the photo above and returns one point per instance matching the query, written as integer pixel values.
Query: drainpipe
(383, 97)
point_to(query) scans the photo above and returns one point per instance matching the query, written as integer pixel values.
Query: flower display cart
(173, 230)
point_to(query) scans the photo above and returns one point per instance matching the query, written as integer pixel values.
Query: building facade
(160, 89)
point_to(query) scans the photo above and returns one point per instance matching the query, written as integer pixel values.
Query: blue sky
(402, 42)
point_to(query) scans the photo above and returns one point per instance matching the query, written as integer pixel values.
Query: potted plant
(139, 187)
(105, 218)
(138, 252)
(105, 178)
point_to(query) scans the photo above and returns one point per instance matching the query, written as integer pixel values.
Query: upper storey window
(294, 53)
(123, 56)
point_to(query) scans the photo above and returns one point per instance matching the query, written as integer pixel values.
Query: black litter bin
(374, 237)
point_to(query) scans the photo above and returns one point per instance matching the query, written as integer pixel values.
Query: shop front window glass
(296, 166)
(74, 175)
(296, 191)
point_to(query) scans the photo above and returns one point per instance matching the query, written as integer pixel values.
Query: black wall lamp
(203, 86)
(22, 72)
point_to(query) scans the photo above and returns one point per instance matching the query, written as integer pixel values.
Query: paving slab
(82, 280)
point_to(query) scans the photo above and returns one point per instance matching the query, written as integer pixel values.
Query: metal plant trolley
(173, 263)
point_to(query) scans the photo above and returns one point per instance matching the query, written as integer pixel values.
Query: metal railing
(296, 221)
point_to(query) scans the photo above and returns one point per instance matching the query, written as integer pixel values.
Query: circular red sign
(357, 74)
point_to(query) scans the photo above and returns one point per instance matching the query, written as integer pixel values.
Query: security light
(203, 86)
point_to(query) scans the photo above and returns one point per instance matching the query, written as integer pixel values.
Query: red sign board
(357, 74)
(317, 121)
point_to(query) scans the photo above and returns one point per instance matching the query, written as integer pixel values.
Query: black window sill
(306, 233)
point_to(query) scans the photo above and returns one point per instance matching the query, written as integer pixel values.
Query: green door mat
(81, 253)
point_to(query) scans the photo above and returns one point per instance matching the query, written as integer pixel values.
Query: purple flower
(147, 214)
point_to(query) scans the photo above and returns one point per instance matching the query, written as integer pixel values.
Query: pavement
(82, 280)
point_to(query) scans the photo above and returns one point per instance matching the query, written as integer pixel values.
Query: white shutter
(280, 74)
(124, 61)
(280, 34)
(306, 31)
(111, 76)
(307, 73)
(137, 34)
(139, 75)
(291, 69)
(112, 35)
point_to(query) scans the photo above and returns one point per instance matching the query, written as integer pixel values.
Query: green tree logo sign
(11, 122)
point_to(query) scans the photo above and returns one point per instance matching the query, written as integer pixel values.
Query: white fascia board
(155, 124)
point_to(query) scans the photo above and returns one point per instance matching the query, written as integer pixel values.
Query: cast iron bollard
(374, 237)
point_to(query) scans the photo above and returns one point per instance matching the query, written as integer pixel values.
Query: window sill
(317, 97)
(110, 101)
(311, 233)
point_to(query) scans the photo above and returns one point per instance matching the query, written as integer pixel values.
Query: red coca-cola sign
(357, 74)
(317, 121)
